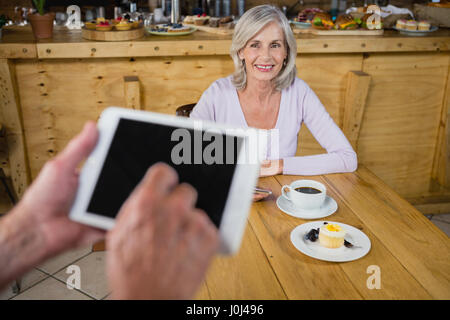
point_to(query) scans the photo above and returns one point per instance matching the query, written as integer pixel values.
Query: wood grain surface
(412, 254)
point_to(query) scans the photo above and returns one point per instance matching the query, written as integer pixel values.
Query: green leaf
(317, 22)
(39, 6)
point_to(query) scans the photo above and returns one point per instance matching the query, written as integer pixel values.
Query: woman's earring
(284, 63)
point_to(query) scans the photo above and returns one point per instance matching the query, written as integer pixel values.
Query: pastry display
(119, 24)
(413, 25)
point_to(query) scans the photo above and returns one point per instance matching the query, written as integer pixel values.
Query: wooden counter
(389, 93)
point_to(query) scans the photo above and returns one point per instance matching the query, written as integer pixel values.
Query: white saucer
(355, 236)
(328, 208)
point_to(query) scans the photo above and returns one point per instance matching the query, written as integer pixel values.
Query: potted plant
(41, 22)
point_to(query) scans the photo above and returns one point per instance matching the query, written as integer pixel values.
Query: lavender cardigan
(299, 104)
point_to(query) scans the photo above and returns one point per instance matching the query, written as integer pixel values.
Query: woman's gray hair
(247, 27)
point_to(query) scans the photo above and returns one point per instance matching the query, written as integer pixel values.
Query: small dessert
(118, 20)
(226, 23)
(424, 26)
(201, 20)
(331, 236)
(189, 20)
(171, 28)
(104, 26)
(90, 25)
(401, 24)
(411, 25)
(178, 27)
(214, 22)
(135, 24)
(123, 25)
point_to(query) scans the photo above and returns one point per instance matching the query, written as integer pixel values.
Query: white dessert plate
(301, 25)
(416, 32)
(161, 33)
(361, 243)
(328, 208)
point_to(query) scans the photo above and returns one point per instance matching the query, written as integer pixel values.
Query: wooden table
(413, 255)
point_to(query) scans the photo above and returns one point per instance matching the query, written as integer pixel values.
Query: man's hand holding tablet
(219, 162)
(160, 238)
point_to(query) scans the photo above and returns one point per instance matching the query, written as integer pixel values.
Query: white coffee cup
(304, 200)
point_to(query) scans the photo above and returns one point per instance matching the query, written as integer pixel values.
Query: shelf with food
(345, 24)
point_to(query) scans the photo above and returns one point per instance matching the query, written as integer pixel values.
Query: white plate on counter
(312, 249)
(416, 32)
(162, 33)
(301, 25)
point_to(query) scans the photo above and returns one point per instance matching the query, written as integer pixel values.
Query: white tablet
(220, 162)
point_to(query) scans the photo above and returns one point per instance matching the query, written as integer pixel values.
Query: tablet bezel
(237, 206)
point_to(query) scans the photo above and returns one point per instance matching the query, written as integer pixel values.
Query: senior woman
(265, 93)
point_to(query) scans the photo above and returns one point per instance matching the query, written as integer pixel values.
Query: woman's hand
(271, 168)
(259, 196)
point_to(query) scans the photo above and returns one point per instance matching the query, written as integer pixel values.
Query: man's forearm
(21, 246)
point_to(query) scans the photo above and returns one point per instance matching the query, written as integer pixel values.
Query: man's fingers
(79, 147)
(183, 198)
(151, 192)
(160, 179)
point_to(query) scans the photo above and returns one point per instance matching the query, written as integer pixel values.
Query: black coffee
(308, 190)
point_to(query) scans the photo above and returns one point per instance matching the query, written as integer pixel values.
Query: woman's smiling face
(264, 54)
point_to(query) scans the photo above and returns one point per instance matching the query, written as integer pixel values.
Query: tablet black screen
(138, 145)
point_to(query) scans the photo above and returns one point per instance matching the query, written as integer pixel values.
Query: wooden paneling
(132, 92)
(73, 91)
(441, 170)
(14, 129)
(326, 74)
(355, 102)
(400, 125)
